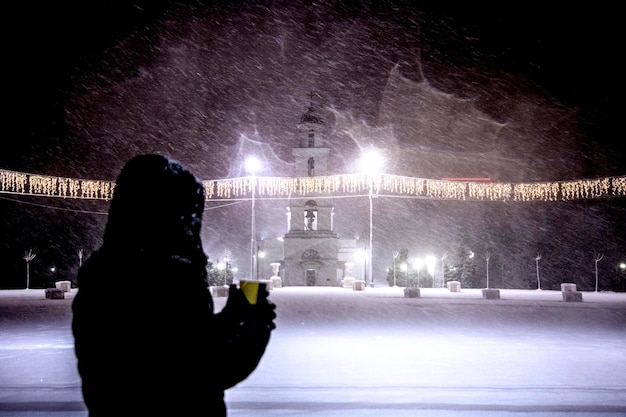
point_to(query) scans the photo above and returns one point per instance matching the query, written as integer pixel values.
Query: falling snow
(513, 92)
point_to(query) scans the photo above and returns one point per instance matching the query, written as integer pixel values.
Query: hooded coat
(146, 337)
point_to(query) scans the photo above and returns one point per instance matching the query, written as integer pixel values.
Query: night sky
(89, 84)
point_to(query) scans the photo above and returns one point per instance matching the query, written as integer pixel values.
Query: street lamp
(395, 255)
(220, 267)
(418, 264)
(260, 254)
(252, 166)
(443, 270)
(370, 164)
(404, 267)
(621, 267)
(487, 256)
(537, 259)
(224, 268)
(597, 259)
(363, 255)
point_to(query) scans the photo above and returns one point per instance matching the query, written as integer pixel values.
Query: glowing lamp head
(252, 165)
(371, 162)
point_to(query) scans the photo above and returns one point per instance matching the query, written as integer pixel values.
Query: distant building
(425, 132)
(311, 253)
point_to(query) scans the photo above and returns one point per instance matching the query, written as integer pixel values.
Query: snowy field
(338, 352)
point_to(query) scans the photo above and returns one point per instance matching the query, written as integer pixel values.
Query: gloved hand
(237, 306)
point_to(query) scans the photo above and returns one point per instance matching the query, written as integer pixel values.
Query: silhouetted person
(147, 340)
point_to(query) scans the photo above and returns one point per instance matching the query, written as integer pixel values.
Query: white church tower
(311, 244)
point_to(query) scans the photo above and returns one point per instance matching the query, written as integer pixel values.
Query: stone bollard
(64, 286)
(491, 294)
(572, 296)
(412, 292)
(358, 285)
(454, 286)
(219, 291)
(567, 286)
(55, 294)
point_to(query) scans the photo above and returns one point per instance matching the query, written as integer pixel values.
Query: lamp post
(418, 264)
(487, 260)
(443, 270)
(430, 264)
(364, 255)
(260, 254)
(395, 255)
(405, 268)
(619, 271)
(537, 259)
(224, 268)
(370, 164)
(252, 166)
(597, 259)
(227, 260)
(220, 267)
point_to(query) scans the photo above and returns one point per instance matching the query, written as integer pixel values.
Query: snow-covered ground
(338, 352)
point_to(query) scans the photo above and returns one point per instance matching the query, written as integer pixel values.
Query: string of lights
(267, 187)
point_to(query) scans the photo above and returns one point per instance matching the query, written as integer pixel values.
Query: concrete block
(358, 285)
(491, 294)
(55, 294)
(454, 286)
(572, 296)
(567, 286)
(65, 286)
(412, 292)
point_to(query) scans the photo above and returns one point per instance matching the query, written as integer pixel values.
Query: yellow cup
(252, 289)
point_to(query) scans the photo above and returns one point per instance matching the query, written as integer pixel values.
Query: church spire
(311, 117)
(311, 155)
